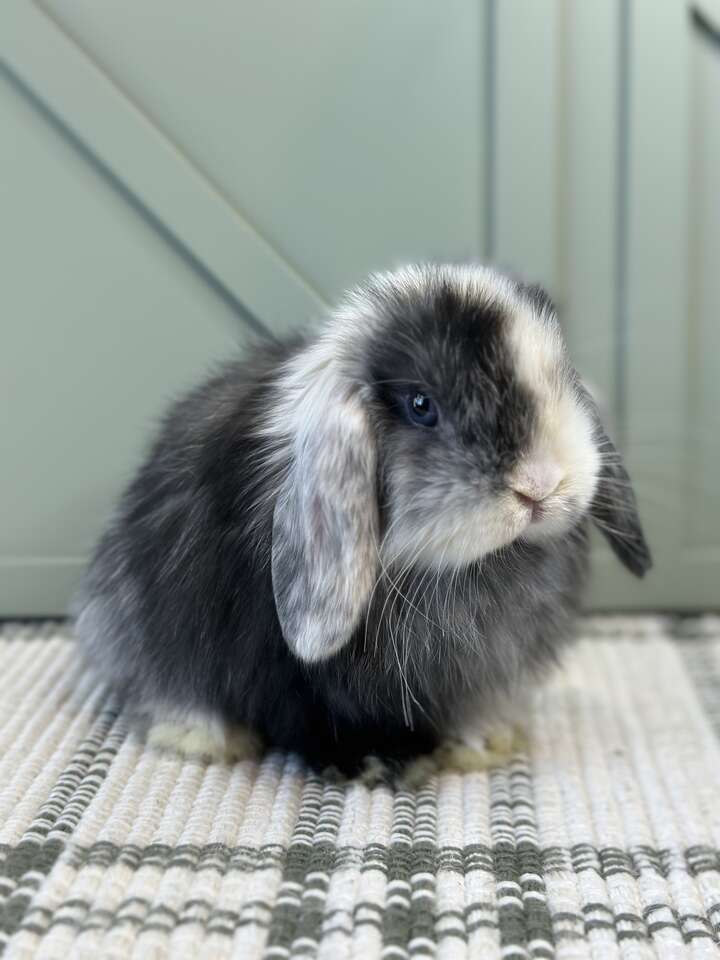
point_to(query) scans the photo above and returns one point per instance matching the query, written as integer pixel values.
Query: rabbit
(366, 541)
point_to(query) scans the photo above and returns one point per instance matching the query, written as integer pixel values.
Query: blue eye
(421, 409)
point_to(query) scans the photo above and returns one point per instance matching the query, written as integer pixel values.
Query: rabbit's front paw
(197, 734)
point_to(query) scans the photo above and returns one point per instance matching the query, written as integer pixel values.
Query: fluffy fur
(301, 558)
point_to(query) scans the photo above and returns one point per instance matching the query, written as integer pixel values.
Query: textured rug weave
(601, 842)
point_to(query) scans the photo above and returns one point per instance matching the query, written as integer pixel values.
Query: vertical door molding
(670, 310)
(526, 135)
(590, 156)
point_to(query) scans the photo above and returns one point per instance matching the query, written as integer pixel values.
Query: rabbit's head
(436, 418)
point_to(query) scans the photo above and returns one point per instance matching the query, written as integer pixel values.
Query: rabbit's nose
(535, 482)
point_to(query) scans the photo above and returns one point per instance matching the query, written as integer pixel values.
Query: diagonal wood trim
(150, 168)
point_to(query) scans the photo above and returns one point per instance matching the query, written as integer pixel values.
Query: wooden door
(176, 175)
(622, 144)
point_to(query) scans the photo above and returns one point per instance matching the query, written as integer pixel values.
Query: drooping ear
(614, 509)
(325, 525)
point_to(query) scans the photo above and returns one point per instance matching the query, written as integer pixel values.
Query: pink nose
(534, 482)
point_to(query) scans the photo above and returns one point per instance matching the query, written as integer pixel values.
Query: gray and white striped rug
(601, 842)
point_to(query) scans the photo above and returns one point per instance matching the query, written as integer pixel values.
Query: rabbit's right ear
(615, 511)
(325, 525)
(613, 507)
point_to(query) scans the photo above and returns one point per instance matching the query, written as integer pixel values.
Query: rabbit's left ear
(614, 509)
(325, 526)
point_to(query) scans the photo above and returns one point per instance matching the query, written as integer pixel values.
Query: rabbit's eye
(422, 409)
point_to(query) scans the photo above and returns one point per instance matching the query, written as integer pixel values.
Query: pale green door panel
(102, 323)
(256, 161)
(349, 134)
(628, 149)
(129, 282)
(670, 362)
(526, 131)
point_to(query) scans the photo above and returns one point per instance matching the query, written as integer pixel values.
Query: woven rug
(601, 842)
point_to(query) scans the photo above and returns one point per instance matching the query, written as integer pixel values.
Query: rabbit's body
(258, 572)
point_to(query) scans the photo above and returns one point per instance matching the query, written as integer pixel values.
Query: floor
(600, 841)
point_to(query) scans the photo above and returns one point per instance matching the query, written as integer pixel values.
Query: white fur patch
(562, 465)
(199, 734)
(454, 535)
